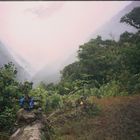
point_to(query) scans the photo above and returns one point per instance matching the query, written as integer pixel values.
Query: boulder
(29, 132)
(24, 116)
(30, 125)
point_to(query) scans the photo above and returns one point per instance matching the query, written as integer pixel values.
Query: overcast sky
(49, 32)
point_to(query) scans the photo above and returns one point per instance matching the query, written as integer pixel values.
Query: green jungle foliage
(104, 68)
(10, 92)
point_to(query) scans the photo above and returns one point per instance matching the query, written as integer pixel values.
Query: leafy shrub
(109, 89)
(9, 93)
(40, 95)
(69, 101)
(92, 109)
(94, 91)
(134, 84)
(56, 101)
(53, 102)
(7, 119)
(47, 101)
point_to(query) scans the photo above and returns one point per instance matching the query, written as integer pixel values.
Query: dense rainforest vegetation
(104, 68)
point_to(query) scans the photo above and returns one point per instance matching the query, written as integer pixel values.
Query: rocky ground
(30, 126)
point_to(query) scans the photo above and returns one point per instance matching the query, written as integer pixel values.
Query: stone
(24, 116)
(29, 132)
(30, 125)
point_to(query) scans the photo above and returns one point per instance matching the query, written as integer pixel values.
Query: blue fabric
(21, 101)
(31, 103)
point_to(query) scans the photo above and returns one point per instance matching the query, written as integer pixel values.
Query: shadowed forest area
(97, 97)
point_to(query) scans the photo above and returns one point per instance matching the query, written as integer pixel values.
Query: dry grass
(119, 120)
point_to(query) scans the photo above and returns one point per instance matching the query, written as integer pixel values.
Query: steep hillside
(51, 73)
(113, 28)
(6, 56)
(47, 75)
(118, 119)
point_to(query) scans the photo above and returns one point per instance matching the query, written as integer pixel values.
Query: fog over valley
(43, 37)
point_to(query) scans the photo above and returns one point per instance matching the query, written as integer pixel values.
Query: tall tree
(132, 18)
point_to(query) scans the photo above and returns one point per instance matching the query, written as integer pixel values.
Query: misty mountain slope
(113, 28)
(6, 56)
(48, 74)
(23, 63)
(51, 73)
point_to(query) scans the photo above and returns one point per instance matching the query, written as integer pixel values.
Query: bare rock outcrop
(29, 132)
(30, 125)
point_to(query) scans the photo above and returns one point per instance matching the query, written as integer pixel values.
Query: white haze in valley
(49, 33)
